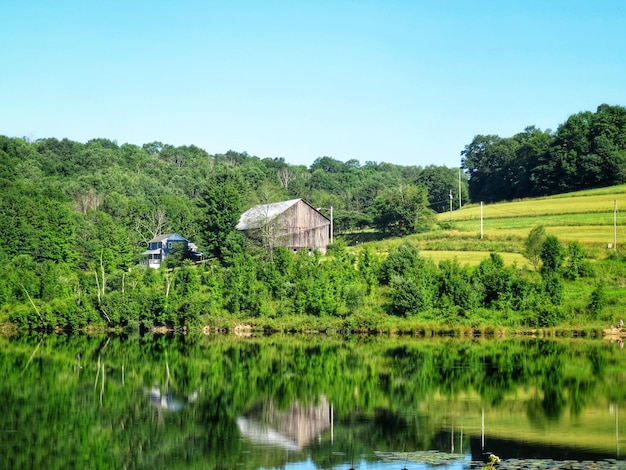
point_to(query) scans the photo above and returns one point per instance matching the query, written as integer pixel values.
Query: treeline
(76, 218)
(587, 151)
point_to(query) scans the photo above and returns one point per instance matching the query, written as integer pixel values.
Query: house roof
(168, 236)
(262, 213)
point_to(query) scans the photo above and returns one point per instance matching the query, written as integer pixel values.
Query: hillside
(586, 217)
(76, 218)
(583, 216)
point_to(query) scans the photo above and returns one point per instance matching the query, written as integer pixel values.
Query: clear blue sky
(408, 82)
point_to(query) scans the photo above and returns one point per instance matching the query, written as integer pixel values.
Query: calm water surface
(77, 401)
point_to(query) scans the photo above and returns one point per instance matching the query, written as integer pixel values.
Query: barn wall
(304, 227)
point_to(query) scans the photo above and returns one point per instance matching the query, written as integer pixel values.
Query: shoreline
(250, 329)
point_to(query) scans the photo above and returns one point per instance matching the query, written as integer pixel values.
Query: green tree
(495, 281)
(575, 266)
(440, 181)
(456, 288)
(491, 164)
(402, 210)
(533, 145)
(220, 204)
(552, 255)
(412, 294)
(533, 245)
(597, 301)
(412, 279)
(552, 283)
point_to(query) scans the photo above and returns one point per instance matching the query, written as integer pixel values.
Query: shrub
(553, 287)
(533, 245)
(597, 301)
(411, 295)
(354, 295)
(576, 265)
(496, 281)
(548, 316)
(552, 254)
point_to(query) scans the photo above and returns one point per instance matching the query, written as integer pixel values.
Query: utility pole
(331, 225)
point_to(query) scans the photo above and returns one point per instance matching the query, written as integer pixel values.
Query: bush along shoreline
(355, 291)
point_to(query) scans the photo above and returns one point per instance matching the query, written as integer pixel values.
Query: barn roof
(262, 213)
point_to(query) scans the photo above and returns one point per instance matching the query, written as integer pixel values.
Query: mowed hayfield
(585, 216)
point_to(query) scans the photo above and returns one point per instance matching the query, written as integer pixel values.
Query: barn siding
(305, 227)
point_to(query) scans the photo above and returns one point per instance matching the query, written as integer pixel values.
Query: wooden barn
(294, 224)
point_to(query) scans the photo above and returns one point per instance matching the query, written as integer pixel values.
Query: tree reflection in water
(216, 402)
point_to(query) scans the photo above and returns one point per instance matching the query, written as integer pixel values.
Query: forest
(587, 151)
(75, 218)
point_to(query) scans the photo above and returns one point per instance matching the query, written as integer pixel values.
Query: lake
(285, 402)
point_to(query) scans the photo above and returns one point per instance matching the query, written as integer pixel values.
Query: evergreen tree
(221, 202)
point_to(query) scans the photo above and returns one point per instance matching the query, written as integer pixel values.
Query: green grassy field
(584, 216)
(473, 258)
(584, 204)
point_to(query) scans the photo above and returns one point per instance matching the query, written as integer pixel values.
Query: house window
(169, 244)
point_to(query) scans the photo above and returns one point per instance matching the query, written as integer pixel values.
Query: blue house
(162, 246)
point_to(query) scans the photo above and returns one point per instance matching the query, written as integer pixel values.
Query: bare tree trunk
(98, 287)
(168, 283)
(34, 306)
(285, 176)
(101, 290)
(102, 271)
(153, 224)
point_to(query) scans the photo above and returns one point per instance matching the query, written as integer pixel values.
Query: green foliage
(576, 265)
(412, 294)
(547, 315)
(456, 288)
(553, 286)
(534, 244)
(552, 255)
(221, 203)
(76, 217)
(402, 210)
(597, 301)
(587, 151)
(496, 281)
(412, 280)
(400, 261)
(440, 182)
(36, 224)
(368, 266)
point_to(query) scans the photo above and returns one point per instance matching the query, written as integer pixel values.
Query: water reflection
(293, 428)
(282, 402)
(165, 400)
